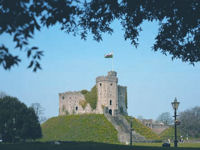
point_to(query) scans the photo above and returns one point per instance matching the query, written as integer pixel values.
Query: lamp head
(175, 104)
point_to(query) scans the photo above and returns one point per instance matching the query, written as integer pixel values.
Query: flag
(110, 55)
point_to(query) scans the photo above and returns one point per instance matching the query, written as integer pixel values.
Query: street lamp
(131, 129)
(175, 105)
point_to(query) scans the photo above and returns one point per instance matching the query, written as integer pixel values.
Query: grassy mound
(169, 133)
(142, 130)
(91, 127)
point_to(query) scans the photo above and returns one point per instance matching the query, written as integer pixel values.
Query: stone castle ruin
(106, 96)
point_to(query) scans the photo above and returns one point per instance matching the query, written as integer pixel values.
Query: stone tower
(108, 94)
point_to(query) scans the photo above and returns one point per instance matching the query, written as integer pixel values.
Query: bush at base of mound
(90, 127)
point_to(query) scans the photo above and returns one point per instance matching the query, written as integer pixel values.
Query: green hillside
(143, 130)
(90, 127)
(169, 133)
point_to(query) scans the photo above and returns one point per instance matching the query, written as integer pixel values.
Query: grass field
(169, 133)
(185, 145)
(94, 146)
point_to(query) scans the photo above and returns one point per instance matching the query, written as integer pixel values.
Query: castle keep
(110, 98)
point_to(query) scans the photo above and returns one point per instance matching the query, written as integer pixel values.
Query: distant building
(111, 97)
(156, 127)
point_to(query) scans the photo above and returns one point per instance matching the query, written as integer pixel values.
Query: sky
(153, 80)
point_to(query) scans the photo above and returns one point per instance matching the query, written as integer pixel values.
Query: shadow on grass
(79, 146)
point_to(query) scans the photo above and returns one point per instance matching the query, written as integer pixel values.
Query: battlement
(106, 78)
(120, 86)
(70, 92)
(112, 73)
(111, 77)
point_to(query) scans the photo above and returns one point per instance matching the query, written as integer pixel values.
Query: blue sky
(71, 64)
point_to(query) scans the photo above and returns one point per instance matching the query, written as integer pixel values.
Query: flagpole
(112, 64)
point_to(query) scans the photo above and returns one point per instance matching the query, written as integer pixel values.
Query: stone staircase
(123, 127)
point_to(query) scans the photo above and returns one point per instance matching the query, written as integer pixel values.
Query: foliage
(126, 99)
(20, 19)
(103, 107)
(84, 91)
(66, 112)
(39, 111)
(141, 129)
(88, 127)
(91, 97)
(2, 94)
(83, 103)
(178, 34)
(169, 133)
(190, 122)
(165, 118)
(17, 122)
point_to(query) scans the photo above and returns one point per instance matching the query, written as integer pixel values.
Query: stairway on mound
(123, 127)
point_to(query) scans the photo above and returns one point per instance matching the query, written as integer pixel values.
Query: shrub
(84, 92)
(91, 97)
(83, 103)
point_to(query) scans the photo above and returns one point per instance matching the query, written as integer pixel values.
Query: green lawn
(91, 146)
(194, 145)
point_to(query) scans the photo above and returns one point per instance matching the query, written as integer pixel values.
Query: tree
(190, 122)
(39, 111)
(2, 94)
(178, 35)
(17, 122)
(165, 118)
(31, 128)
(140, 117)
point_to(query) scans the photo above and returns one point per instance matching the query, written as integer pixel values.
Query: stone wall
(147, 122)
(70, 103)
(154, 126)
(121, 99)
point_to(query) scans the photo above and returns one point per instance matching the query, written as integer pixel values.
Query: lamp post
(131, 129)
(175, 105)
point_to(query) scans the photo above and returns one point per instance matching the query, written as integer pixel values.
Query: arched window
(110, 102)
(63, 97)
(76, 108)
(110, 111)
(100, 84)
